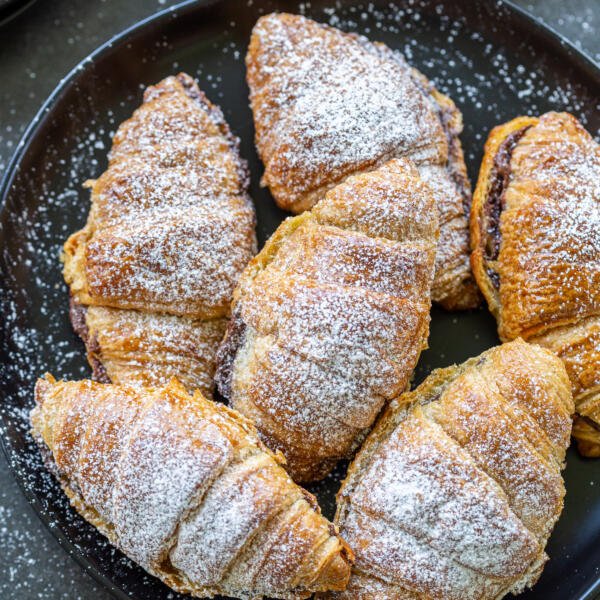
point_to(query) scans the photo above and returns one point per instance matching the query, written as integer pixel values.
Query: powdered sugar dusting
(323, 349)
(182, 486)
(422, 484)
(444, 497)
(184, 265)
(180, 258)
(166, 461)
(384, 559)
(490, 80)
(364, 118)
(131, 341)
(327, 105)
(170, 230)
(237, 504)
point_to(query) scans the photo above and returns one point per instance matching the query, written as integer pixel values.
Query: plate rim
(557, 42)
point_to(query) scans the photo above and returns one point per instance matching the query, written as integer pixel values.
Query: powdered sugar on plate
(490, 79)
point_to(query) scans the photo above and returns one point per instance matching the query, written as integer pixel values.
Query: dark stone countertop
(37, 48)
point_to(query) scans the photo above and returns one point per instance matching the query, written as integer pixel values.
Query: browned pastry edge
(333, 569)
(495, 201)
(451, 121)
(216, 114)
(428, 392)
(468, 295)
(227, 352)
(235, 333)
(486, 238)
(462, 293)
(487, 206)
(587, 435)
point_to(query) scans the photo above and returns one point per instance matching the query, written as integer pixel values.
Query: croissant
(535, 230)
(329, 319)
(184, 487)
(170, 229)
(328, 104)
(457, 488)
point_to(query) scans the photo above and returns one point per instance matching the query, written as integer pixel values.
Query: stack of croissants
(454, 487)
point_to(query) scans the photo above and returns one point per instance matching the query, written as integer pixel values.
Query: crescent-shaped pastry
(170, 229)
(535, 229)
(457, 488)
(184, 487)
(329, 319)
(328, 105)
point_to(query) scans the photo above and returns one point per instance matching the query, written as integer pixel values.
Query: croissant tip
(336, 573)
(42, 386)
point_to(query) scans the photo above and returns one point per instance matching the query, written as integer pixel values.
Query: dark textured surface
(36, 49)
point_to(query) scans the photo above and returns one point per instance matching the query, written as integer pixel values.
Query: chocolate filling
(494, 204)
(445, 114)
(590, 422)
(77, 314)
(232, 342)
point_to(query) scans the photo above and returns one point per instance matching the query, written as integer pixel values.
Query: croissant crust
(456, 490)
(535, 231)
(328, 105)
(169, 231)
(184, 487)
(330, 317)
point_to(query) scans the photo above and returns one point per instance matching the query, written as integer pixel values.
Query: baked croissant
(328, 105)
(535, 230)
(457, 488)
(170, 229)
(184, 487)
(329, 319)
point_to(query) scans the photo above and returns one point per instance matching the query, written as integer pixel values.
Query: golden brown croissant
(457, 488)
(170, 229)
(535, 230)
(184, 487)
(328, 105)
(329, 319)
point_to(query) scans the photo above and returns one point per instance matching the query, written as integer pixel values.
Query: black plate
(494, 60)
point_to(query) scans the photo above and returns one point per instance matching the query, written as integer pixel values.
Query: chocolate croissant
(457, 488)
(328, 105)
(329, 319)
(535, 229)
(170, 229)
(184, 487)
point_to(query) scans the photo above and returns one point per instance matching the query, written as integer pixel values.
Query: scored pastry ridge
(330, 317)
(455, 491)
(535, 230)
(184, 487)
(328, 105)
(171, 227)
